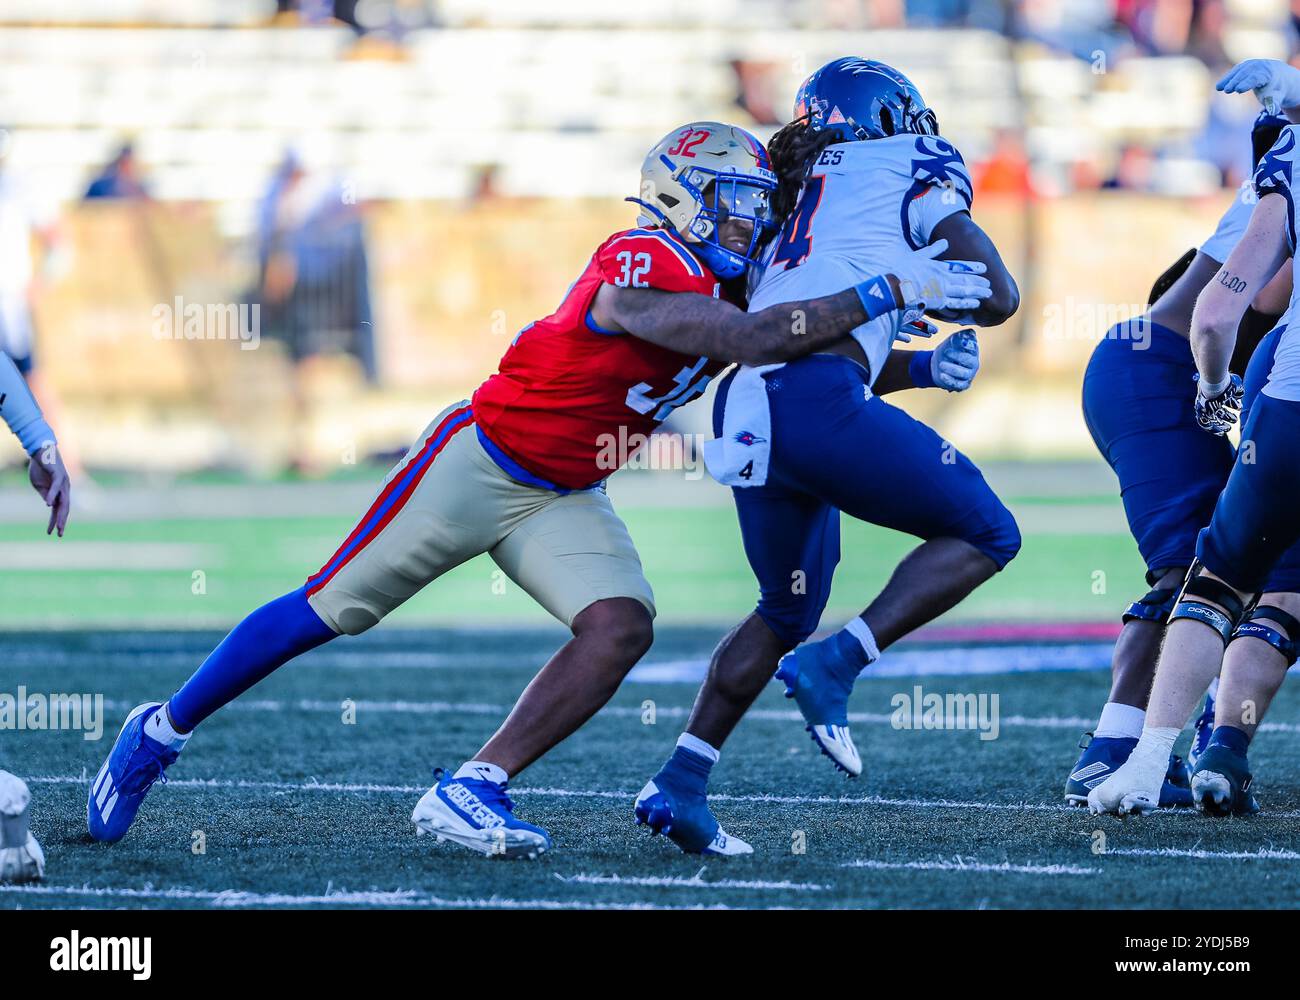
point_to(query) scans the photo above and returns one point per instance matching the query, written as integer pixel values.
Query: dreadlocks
(793, 150)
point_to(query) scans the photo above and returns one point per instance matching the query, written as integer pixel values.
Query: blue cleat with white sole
(1202, 729)
(133, 765)
(819, 677)
(1222, 779)
(685, 819)
(479, 815)
(1103, 755)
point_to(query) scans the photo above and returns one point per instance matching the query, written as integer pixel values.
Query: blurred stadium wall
(476, 153)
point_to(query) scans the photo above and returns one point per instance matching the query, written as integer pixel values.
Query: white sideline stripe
(1263, 854)
(583, 793)
(695, 881)
(1079, 723)
(545, 792)
(963, 865)
(374, 897)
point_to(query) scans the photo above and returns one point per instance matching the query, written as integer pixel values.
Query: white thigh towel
(746, 442)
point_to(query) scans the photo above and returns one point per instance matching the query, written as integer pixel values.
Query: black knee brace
(1154, 607)
(1253, 628)
(1207, 589)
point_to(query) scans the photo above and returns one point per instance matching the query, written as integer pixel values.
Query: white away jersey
(1275, 175)
(863, 207)
(1232, 226)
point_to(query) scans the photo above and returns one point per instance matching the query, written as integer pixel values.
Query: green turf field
(204, 555)
(294, 807)
(297, 808)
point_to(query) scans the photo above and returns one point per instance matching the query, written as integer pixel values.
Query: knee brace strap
(1155, 606)
(1222, 621)
(1255, 629)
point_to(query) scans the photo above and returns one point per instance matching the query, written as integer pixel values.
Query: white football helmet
(700, 175)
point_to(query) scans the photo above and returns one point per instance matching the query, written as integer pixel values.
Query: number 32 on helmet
(702, 175)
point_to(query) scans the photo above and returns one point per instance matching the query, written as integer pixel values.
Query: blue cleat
(819, 676)
(684, 817)
(134, 764)
(1221, 782)
(1102, 757)
(1201, 731)
(479, 815)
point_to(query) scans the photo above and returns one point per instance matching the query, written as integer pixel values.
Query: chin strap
(1254, 628)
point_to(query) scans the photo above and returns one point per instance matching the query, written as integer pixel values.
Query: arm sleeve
(942, 187)
(19, 409)
(1274, 176)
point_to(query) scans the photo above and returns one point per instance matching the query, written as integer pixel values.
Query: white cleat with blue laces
(479, 815)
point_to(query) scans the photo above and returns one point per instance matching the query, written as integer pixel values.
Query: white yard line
(695, 881)
(234, 898)
(403, 707)
(1263, 854)
(628, 796)
(967, 865)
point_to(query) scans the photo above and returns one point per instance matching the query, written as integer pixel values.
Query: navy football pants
(835, 447)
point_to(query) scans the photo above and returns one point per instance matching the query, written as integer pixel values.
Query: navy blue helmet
(863, 99)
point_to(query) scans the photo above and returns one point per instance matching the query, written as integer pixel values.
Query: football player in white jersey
(864, 179)
(1138, 391)
(1227, 599)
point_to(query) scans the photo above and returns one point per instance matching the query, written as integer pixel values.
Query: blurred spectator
(314, 284)
(1006, 170)
(757, 86)
(120, 177)
(1134, 170)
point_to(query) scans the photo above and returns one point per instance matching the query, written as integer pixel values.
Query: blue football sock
(1231, 737)
(688, 770)
(268, 638)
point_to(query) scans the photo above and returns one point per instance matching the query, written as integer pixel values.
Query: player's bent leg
(675, 800)
(1108, 746)
(609, 638)
(471, 807)
(1199, 628)
(1261, 651)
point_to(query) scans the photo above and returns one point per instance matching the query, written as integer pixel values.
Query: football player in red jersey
(518, 472)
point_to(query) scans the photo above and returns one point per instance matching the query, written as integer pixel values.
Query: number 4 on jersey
(796, 238)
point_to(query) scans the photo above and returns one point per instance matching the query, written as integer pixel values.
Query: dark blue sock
(1230, 737)
(268, 638)
(689, 770)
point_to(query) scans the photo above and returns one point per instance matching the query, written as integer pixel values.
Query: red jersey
(570, 398)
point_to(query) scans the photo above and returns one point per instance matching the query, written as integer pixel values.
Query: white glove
(1276, 84)
(919, 327)
(930, 284)
(955, 362)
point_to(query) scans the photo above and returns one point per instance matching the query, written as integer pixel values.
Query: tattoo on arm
(1231, 282)
(696, 324)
